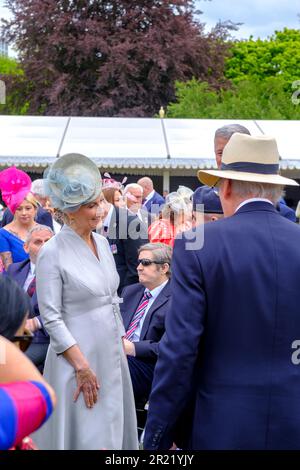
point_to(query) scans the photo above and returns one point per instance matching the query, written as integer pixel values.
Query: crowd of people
(113, 307)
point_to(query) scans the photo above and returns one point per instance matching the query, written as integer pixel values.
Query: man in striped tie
(143, 310)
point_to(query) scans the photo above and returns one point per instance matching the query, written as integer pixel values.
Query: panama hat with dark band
(248, 158)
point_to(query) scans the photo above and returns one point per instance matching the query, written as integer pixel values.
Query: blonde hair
(31, 199)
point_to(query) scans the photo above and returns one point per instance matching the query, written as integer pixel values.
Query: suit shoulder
(12, 268)
(132, 288)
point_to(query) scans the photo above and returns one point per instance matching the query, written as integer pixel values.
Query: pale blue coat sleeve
(49, 284)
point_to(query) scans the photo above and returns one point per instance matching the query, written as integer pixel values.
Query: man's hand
(128, 347)
(32, 324)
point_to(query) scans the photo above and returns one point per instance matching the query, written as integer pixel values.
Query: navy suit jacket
(286, 211)
(19, 272)
(43, 217)
(157, 199)
(230, 332)
(154, 324)
(124, 247)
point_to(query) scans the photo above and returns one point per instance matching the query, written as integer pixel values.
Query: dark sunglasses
(24, 341)
(148, 262)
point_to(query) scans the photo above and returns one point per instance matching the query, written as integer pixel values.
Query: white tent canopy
(141, 143)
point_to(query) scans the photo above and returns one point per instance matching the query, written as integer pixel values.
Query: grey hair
(132, 186)
(227, 131)
(273, 192)
(161, 252)
(37, 188)
(38, 228)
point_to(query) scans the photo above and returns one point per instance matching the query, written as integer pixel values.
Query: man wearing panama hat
(230, 348)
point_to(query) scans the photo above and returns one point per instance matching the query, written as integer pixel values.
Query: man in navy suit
(24, 274)
(152, 199)
(231, 348)
(125, 234)
(143, 311)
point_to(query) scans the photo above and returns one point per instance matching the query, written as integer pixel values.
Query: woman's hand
(87, 383)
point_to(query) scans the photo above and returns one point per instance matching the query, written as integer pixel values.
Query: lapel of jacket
(161, 299)
(22, 273)
(133, 305)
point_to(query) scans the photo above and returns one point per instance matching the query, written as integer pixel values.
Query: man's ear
(25, 246)
(165, 268)
(226, 188)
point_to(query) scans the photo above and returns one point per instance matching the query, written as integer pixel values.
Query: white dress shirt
(150, 196)
(155, 292)
(30, 276)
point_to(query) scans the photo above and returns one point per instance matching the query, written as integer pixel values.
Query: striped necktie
(32, 287)
(139, 313)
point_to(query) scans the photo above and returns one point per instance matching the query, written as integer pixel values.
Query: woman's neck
(86, 235)
(23, 227)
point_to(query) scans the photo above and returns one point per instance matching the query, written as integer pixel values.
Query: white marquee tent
(165, 147)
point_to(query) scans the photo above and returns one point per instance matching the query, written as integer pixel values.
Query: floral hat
(15, 184)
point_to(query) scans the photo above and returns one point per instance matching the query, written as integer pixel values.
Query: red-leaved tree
(110, 58)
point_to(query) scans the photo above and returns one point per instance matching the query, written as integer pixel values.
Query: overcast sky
(260, 18)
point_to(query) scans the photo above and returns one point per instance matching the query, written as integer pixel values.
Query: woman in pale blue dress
(77, 286)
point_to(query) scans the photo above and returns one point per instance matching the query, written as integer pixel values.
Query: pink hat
(109, 182)
(14, 185)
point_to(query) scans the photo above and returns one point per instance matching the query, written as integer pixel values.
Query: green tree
(261, 73)
(247, 99)
(111, 58)
(10, 70)
(277, 55)
(9, 66)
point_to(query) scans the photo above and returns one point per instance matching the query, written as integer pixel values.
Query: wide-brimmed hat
(248, 158)
(71, 181)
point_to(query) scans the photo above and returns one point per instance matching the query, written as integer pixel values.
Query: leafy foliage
(10, 70)
(262, 74)
(110, 58)
(278, 55)
(248, 99)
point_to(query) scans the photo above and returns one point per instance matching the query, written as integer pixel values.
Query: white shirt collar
(136, 214)
(253, 199)
(157, 290)
(106, 222)
(32, 268)
(150, 196)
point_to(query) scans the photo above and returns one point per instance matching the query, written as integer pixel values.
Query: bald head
(147, 185)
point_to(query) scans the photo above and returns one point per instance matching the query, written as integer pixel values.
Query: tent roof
(131, 142)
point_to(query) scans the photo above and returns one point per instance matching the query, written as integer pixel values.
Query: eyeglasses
(148, 262)
(24, 341)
